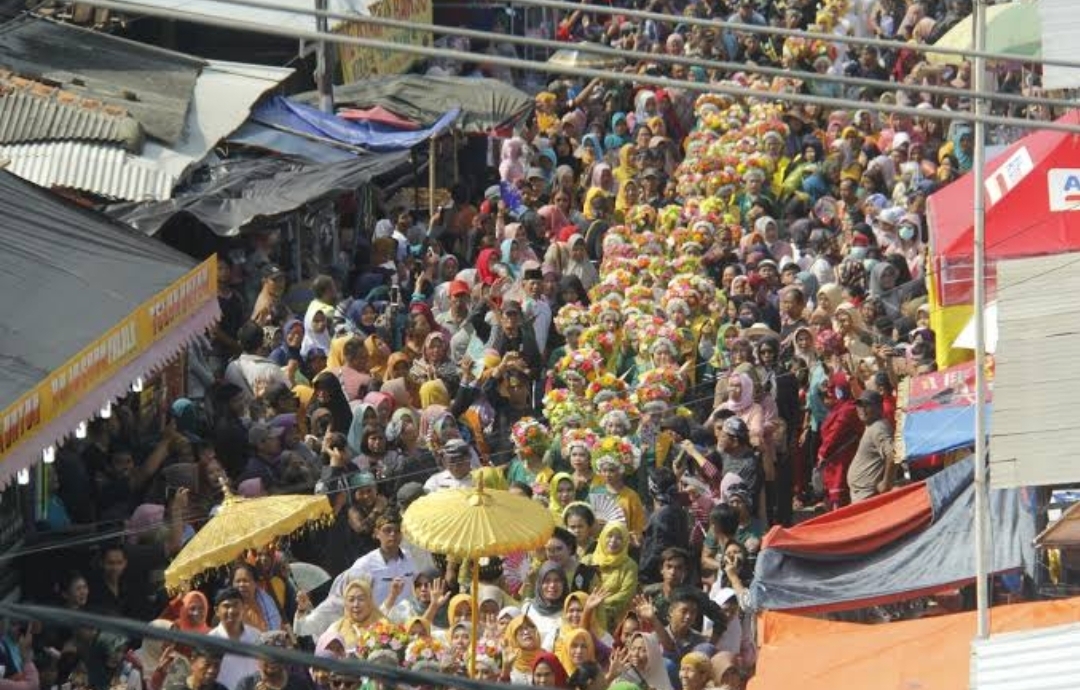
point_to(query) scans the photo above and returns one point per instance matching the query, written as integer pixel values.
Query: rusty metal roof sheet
(154, 85)
(31, 111)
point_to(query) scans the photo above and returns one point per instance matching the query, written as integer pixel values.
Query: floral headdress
(585, 362)
(571, 316)
(572, 438)
(605, 383)
(529, 434)
(383, 642)
(561, 409)
(489, 655)
(425, 654)
(660, 384)
(618, 450)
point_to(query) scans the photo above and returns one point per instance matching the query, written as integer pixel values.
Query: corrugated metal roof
(1036, 429)
(106, 171)
(1043, 659)
(152, 84)
(34, 112)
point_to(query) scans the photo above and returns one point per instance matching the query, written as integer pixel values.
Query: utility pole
(324, 62)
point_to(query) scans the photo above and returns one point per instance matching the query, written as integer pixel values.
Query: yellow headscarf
(568, 641)
(553, 495)
(593, 193)
(601, 557)
(621, 204)
(424, 622)
(525, 657)
(625, 170)
(347, 627)
(456, 601)
(335, 359)
(434, 393)
(377, 354)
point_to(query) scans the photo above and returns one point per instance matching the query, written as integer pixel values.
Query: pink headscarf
(554, 219)
(746, 394)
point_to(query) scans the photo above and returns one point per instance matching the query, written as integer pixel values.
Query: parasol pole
(982, 499)
(474, 586)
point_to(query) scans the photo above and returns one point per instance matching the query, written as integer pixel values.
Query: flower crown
(562, 408)
(605, 382)
(579, 437)
(617, 449)
(529, 433)
(425, 654)
(383, 641)
(571, 316)
(585, 362)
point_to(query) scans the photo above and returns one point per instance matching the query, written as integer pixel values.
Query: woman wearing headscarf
(512, 163)
(604, 179)
(291, 341)
(435, 363)
(578, 264)
(330, 396)
(628, 197)
(769, 229)
(647, 669)
(829, 296)
(553, 220)
(194, 612)
(618, 572)
(578, 647)
(848, 323)
(840, 434)
(316, 333)
(762, 424)
(548, 671)
(361, 612)
(546, 607)
(522, 645)
(510, 254)
(619, 134)
(625, 170)
(377, 354)
(884, 287)
(644, 107)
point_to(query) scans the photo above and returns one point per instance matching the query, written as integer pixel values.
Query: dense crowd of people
(674, 319)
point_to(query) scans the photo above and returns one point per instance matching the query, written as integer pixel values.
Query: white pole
(982, 496)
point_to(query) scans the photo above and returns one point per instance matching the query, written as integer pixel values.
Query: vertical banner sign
(359, 63)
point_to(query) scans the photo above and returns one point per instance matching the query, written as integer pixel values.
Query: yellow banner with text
(107, 355)
(358, 63)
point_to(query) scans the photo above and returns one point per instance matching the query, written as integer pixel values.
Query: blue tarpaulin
(940, 430)
(297, 118)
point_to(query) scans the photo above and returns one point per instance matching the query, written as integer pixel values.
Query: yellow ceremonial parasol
(241, 524)
(473, 523)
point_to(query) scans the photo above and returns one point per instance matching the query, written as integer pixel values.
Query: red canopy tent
(1032, 205)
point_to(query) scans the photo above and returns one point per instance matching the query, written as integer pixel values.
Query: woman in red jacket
(840, 434)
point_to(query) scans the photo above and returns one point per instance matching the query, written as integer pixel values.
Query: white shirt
(371, 565)
(445, 480)
(233, 667)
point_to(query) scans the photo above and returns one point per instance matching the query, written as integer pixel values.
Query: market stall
(91, 307)
(1032, 190)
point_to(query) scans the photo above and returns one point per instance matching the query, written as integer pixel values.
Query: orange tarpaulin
(929, 654)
